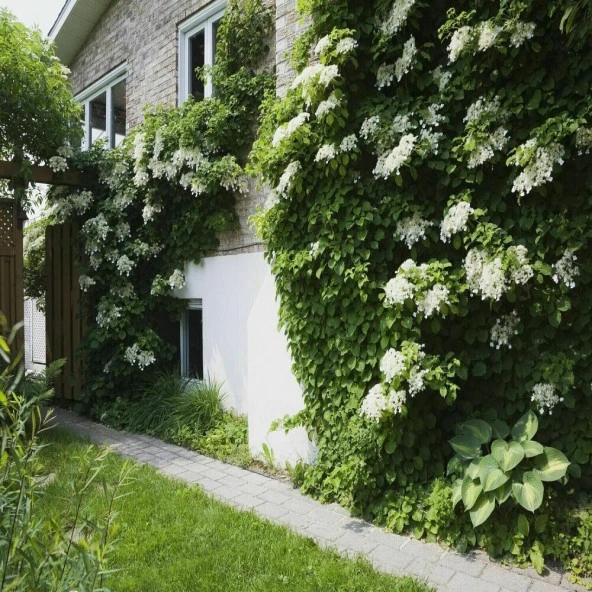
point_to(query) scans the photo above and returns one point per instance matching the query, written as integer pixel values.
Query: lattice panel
(7, 224)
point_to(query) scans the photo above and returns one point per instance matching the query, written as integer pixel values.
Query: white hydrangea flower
(397, 17)
(138, 357)
(584, 140)
(272, 200)
(405, 62)
(539, 169)
(86, 282)
(488, 34)
(504, 329)
(416, 380)
(397, 290)
(125, 265)
(285, 131)
(328, 75)
(313, 251)
(412, 229)
(307, 75)
(139, 146)
(346, 45)
(326, 153)
(65, 152)
(107, 313)
(385, 75)
(482, 108)
(197, 187)
(323, 44)
(459, 41)
(566, 269)
(141, 177)
(327, 106)
(392, 162)
(374, 403)
(543, 395)
(456, 220)
(520, 32)
(433, 299)
(486, 150)
(493, 283)
(149, 211)
(401, 124)
(441, 77)
(393, 364)
(396, 400)
(431, 138)
(122, 231)
(522, 271)
(287, 177)
(348, 143)
(474, 268)
(370, 127)
(58, 164)
(177, 280)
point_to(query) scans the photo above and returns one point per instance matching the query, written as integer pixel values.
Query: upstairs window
(105, 113)
(197, 48)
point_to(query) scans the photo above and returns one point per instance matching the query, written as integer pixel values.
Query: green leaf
(466, 447)
(551, 465)
(523, 526)
(470, 491)
(532, 448)
(456, 492)
(507, 454)
(529, 494)
(526, 427)
(479, 429)
(479, 369)
(473, 469)
(500, 429)
(503, 493)
(482, 509)
(490, 474)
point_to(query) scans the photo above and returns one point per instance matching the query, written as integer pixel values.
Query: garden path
(329, 525)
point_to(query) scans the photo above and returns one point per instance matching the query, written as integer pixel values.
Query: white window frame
(184, 336)
(103, 85)
(201, 21)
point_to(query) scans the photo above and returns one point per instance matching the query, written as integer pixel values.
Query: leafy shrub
(514, 469)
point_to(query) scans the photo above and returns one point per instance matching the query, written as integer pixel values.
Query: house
(124, 54)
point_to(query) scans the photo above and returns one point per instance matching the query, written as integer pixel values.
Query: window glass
(98, 119)
(119, 113)
(197, 53)
(194, 343)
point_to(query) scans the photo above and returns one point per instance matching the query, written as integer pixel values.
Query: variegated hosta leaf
(551, 465)
(526, 427)
(479, 429)
(507, 454)
(470, 491)
(529, 494)
(532, 448)
(490, 474)
(482, 509)
(466, 446)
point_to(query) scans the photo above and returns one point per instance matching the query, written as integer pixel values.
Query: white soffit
(73, 26)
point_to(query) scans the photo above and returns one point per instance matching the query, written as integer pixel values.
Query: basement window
(105, 113)
(197, 48)
(192, 341)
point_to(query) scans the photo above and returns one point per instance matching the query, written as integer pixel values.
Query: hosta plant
(495, 463)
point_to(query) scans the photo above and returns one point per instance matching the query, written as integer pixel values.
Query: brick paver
(329, 525)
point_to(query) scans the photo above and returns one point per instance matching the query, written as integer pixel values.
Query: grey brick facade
(144, 35)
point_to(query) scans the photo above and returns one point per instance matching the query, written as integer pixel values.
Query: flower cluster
(441, 77)
(397, 17)
(374, 403)
(177, 280)
(287, 177)
(488, 34)
(405, 62)
(285, 131)
(313, 76)
(327, 106)
(504, 329)
(370, 127)
(433, 299)
(58, 164)
(326, 153)
(539, 168)
(393, 364)
(544, 397)
(107, 313)
(348, 143)
(455, 220)
(86, 282)
(566, 269)
(459, 41)
(138, 357)
(392, 162)
(584, 140)
(520, 32)
(411, 230)
(486, 147)
(398, 290)
(385, 75)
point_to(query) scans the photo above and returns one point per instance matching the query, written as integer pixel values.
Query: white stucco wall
(244, 349)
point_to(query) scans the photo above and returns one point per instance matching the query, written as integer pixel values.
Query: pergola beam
(42, 174)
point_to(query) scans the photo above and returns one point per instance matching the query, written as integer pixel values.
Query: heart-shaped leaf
(473, 469)
(470, 491)
(507, 454)
(482, 509)
(529, 494)
(503, 493)
(500, 429)
(490, 474)
(479, 429)
(467, 447)
(551, 465)
(456, 492)
(532, 448)
(526, 427)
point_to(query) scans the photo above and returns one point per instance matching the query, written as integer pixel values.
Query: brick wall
(144, 34)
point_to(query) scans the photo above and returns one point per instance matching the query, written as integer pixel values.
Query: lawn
(173, 537)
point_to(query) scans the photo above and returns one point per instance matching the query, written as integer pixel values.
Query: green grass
(172, 537)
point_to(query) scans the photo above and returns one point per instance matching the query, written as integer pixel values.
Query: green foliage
(512, 470)
(429, 233)
(34, 266)
(159, 201)
(41, 553)
(38, 113)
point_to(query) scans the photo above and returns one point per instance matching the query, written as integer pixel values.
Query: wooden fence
(64, 319)
(11, 267)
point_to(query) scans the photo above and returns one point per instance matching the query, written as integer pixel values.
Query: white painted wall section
(244, 349)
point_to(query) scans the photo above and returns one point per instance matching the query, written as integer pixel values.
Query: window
(104, 105)
(192, 341)
(197, 48)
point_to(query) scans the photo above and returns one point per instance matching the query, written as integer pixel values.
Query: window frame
(203, 20)
(105, 85)
(184, 337)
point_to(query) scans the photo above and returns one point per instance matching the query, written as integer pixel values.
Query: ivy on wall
(428, 230)
(159, 201)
